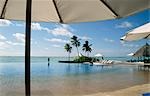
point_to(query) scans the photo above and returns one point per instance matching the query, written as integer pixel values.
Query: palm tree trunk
(77, 51)
(69, 56)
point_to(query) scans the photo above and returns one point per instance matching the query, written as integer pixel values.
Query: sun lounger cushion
(146, 94)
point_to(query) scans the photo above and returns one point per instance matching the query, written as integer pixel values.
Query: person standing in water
(48, 61)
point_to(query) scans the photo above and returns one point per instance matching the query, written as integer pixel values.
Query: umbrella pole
(27, 47)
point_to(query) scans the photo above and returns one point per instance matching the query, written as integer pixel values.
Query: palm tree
(68, 48)
(75, 42)
(87, 48)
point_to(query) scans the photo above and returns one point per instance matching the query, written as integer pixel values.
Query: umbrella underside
(133, 37)
(142, 32)
(70, 11)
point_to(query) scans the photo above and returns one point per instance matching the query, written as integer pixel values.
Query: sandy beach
(137, 90)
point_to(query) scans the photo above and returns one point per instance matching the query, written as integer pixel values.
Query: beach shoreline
(136, 90)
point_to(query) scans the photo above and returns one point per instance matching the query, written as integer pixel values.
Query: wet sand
(137, 90)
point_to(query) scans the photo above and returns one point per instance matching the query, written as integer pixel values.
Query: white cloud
(3, 45)
(20, 37)
(5, 23)
(37, 26)
(85, 38)
(124, 25)
(57, 40)
(65, 26)
(66, 30)
(15, 43)
(61, 31)
(124, 44)
(8, 44)
(130, 45)
(2, 37)
(20, 40)
(57, 46)
(108, 40)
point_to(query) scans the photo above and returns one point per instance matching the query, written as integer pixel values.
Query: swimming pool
(62, 79)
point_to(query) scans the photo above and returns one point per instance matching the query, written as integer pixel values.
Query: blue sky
(48, 39)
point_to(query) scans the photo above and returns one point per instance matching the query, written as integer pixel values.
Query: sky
(48, 39)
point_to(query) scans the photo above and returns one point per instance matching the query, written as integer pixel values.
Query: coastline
(137, 90)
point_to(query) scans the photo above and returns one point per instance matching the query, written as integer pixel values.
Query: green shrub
(85, 59)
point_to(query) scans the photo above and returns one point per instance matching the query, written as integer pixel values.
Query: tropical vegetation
(68, 48)
(86, 47)
(75, 42)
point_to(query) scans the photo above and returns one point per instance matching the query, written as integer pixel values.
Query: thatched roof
(143, 51)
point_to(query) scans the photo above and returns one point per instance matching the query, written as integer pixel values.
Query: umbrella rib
(147, 36)
(61, 21)
(117, 15)
(3, 10)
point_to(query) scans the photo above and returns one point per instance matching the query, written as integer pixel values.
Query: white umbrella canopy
(98, 55)
(130, 54)
(70, 11)
(142, 32)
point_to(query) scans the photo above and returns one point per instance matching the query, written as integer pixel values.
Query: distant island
(86, 47)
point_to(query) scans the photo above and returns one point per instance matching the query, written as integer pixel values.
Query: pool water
(63, 79)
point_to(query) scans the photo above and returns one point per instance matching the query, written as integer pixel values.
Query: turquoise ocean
(63, 79)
